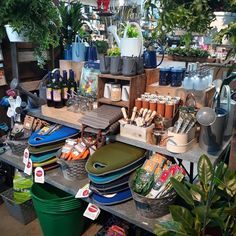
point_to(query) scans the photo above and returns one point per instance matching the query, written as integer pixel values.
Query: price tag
(92, 211)
(39, 175)
(28, 167)
(83, 192)
(26, 156)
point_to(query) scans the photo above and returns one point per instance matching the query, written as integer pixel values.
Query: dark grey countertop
(191, 156)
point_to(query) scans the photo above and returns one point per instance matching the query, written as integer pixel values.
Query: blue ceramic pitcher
(78, 49)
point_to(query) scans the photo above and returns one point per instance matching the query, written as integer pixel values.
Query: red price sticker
(28, 167)
(39, 175)
(92, 211)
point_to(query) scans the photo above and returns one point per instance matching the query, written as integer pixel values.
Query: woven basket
(152, 208)
(73, 170)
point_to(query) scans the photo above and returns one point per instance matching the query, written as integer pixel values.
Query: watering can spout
(113, 30)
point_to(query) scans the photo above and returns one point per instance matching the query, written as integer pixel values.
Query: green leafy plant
(72, 21)
(37, 20)
(190, 16)
(188, 52)
(113, 52)
(132, 32)
(210, 203)
(101, 46)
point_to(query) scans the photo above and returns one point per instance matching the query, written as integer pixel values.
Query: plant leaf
(197, 193)
(200, 212)
(182, 215)
(169, 227)
(205, 171)
(182, 191)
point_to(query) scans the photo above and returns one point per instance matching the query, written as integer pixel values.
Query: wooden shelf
(137, 85)
(126, 210)
(120, 77)
(109, 102)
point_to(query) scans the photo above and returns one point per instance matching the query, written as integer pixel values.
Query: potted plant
(102, 47)
(72, 21)
(38, 21)
(210, 203)
(186, 18)
(188, 54)
(115, 60)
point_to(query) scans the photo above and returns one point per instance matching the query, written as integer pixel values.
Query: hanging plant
(37, 20)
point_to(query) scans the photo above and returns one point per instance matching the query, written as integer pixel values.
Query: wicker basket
(73, 170)
(23, 212)
(152, 208)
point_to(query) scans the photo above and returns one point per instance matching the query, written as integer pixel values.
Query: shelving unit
(126, 210)
(137, 85)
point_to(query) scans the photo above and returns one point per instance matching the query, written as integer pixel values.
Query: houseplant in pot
(72, 21)
(115, 61)
(37, 20)
(209, 204)
(102, 47)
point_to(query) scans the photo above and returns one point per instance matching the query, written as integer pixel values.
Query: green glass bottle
(65, 87)
(49, 93)
(72, 84)
(57, 91)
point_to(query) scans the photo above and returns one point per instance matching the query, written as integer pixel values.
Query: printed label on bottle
(65, 93)
(49, 93)
(57, 95)
(72, 90)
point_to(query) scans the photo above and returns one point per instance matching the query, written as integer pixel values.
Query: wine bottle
(49, 93)
(72, 83)
(65, 87)
(57, 92)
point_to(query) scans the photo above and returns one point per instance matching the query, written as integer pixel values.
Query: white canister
(125, 93)
(107, 90)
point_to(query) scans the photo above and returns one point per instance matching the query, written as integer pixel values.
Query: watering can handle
(140, 34)
(225, 89)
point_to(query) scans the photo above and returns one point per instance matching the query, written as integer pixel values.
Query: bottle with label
(49, 93)
(65, 87)
(72, 83)
(57, 91)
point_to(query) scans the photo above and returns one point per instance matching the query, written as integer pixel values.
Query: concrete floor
(11, 227)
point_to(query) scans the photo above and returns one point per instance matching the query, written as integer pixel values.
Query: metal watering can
(129, 47)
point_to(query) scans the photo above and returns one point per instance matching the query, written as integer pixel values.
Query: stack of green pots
(59, 213)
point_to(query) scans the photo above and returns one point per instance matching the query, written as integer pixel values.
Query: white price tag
(28, 167)
(26, 156)
(39, 175)
(83, 192)
(92, 211)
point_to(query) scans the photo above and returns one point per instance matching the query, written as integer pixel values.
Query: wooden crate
(137, 85)
(203, 98)
(62, 114)
(74, 65)
(152, 75)
(134, 132)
